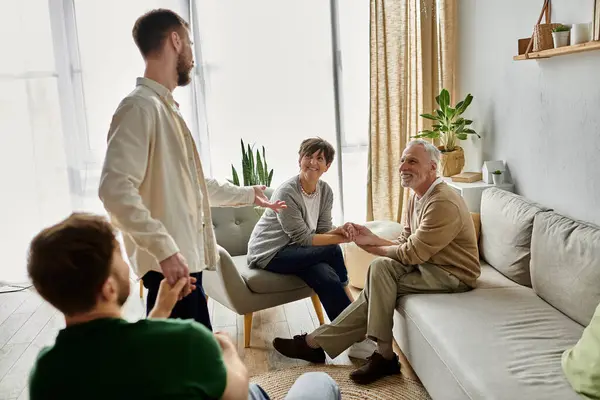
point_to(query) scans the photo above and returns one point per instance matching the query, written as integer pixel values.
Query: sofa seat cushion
(490, 278)
(486, 344)
(261, 281)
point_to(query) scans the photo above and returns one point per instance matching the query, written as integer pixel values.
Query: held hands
(174, 268)
(359, 234)
(168, 296)
(262, 201)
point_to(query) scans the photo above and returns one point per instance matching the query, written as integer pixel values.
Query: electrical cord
(13, 288)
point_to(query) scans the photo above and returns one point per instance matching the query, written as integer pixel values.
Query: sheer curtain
(33, 166)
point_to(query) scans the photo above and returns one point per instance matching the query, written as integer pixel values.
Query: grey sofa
(539, 287)
(239, 288)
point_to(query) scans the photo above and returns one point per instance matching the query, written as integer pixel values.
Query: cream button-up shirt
(153, 187)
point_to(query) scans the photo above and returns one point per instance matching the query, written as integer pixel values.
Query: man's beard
(183, 72)
(412, 181)
(124, 290)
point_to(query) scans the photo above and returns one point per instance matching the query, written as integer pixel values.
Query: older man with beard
(152, 183)
(436, 253)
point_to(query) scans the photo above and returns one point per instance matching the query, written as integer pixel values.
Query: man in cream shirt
(152, 183)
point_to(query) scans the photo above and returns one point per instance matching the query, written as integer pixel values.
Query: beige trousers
(372, 313)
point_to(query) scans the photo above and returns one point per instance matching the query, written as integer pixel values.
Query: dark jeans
(192, 306)
(322, 268)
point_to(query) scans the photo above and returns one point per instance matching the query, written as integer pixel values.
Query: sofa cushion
(261, 281)
(486, 344)
(506, 226)
(565, 264)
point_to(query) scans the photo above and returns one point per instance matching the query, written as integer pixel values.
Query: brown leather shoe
(376, 367)
(298, 348)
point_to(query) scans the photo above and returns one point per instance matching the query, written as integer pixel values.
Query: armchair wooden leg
(318, 309)
(247, 329)
(141, 289)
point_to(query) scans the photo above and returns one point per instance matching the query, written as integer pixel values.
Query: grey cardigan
(274, 231)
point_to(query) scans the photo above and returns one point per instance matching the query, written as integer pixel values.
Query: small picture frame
(596, 21)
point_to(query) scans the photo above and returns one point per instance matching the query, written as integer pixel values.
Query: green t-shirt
(114, 359)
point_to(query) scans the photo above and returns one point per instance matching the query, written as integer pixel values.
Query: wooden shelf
(561, 51)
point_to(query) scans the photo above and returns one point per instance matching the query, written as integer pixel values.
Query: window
(265, 74)
(269, 81)
(33, 167)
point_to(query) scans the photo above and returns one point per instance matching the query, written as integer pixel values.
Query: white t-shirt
(313, 205)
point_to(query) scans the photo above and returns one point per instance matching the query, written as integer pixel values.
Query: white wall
(541, 117)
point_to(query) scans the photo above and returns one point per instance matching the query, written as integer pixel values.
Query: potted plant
(254, 171)
(449, 127)
(497, 177)
(560, 36)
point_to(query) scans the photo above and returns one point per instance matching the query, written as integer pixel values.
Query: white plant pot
(560, 39)
(498, 179)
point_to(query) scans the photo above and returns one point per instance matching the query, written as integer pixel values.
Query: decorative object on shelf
(467, 177)
(596, 21)
(581, 33)
(542, 33)
(541, 39)
(560, 36)
(489, 167)
(449, 127)
(498, 177)
(253, 173)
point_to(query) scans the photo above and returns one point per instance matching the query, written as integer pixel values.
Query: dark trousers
(192, 306)
(322, 268)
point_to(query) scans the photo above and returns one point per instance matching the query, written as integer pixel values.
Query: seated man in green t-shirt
(76, 265)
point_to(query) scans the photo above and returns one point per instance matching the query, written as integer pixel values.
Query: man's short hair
(313, 145)
(434, 152)
(70, 261)
(151, 29)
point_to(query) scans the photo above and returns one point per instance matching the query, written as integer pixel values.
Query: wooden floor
(27, 323)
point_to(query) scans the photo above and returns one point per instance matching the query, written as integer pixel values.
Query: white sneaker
(362, 350)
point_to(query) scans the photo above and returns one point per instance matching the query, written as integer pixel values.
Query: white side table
(471, 192)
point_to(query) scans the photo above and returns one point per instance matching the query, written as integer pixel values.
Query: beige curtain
(413, 50)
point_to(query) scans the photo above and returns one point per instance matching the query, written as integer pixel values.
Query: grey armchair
(239, 288)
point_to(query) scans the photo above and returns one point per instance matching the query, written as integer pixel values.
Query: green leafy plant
(497, 172)
(561, 28)
(448, 124)
(254, 170)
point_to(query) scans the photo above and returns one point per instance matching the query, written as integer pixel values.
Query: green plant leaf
(465, 104)
(444, 99)
(461, 136)
(235, 177)
(266, 169)
(259, 169)
(270, 178)
(437, 100)
(427, 134)
(431, 117)
(441, 115)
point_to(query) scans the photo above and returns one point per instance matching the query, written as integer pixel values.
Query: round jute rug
(397, 387)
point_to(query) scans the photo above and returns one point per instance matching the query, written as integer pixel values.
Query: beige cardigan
(153, 186)
(439, 230)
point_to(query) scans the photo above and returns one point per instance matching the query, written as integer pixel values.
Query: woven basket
(452, 163)
(542, 36)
